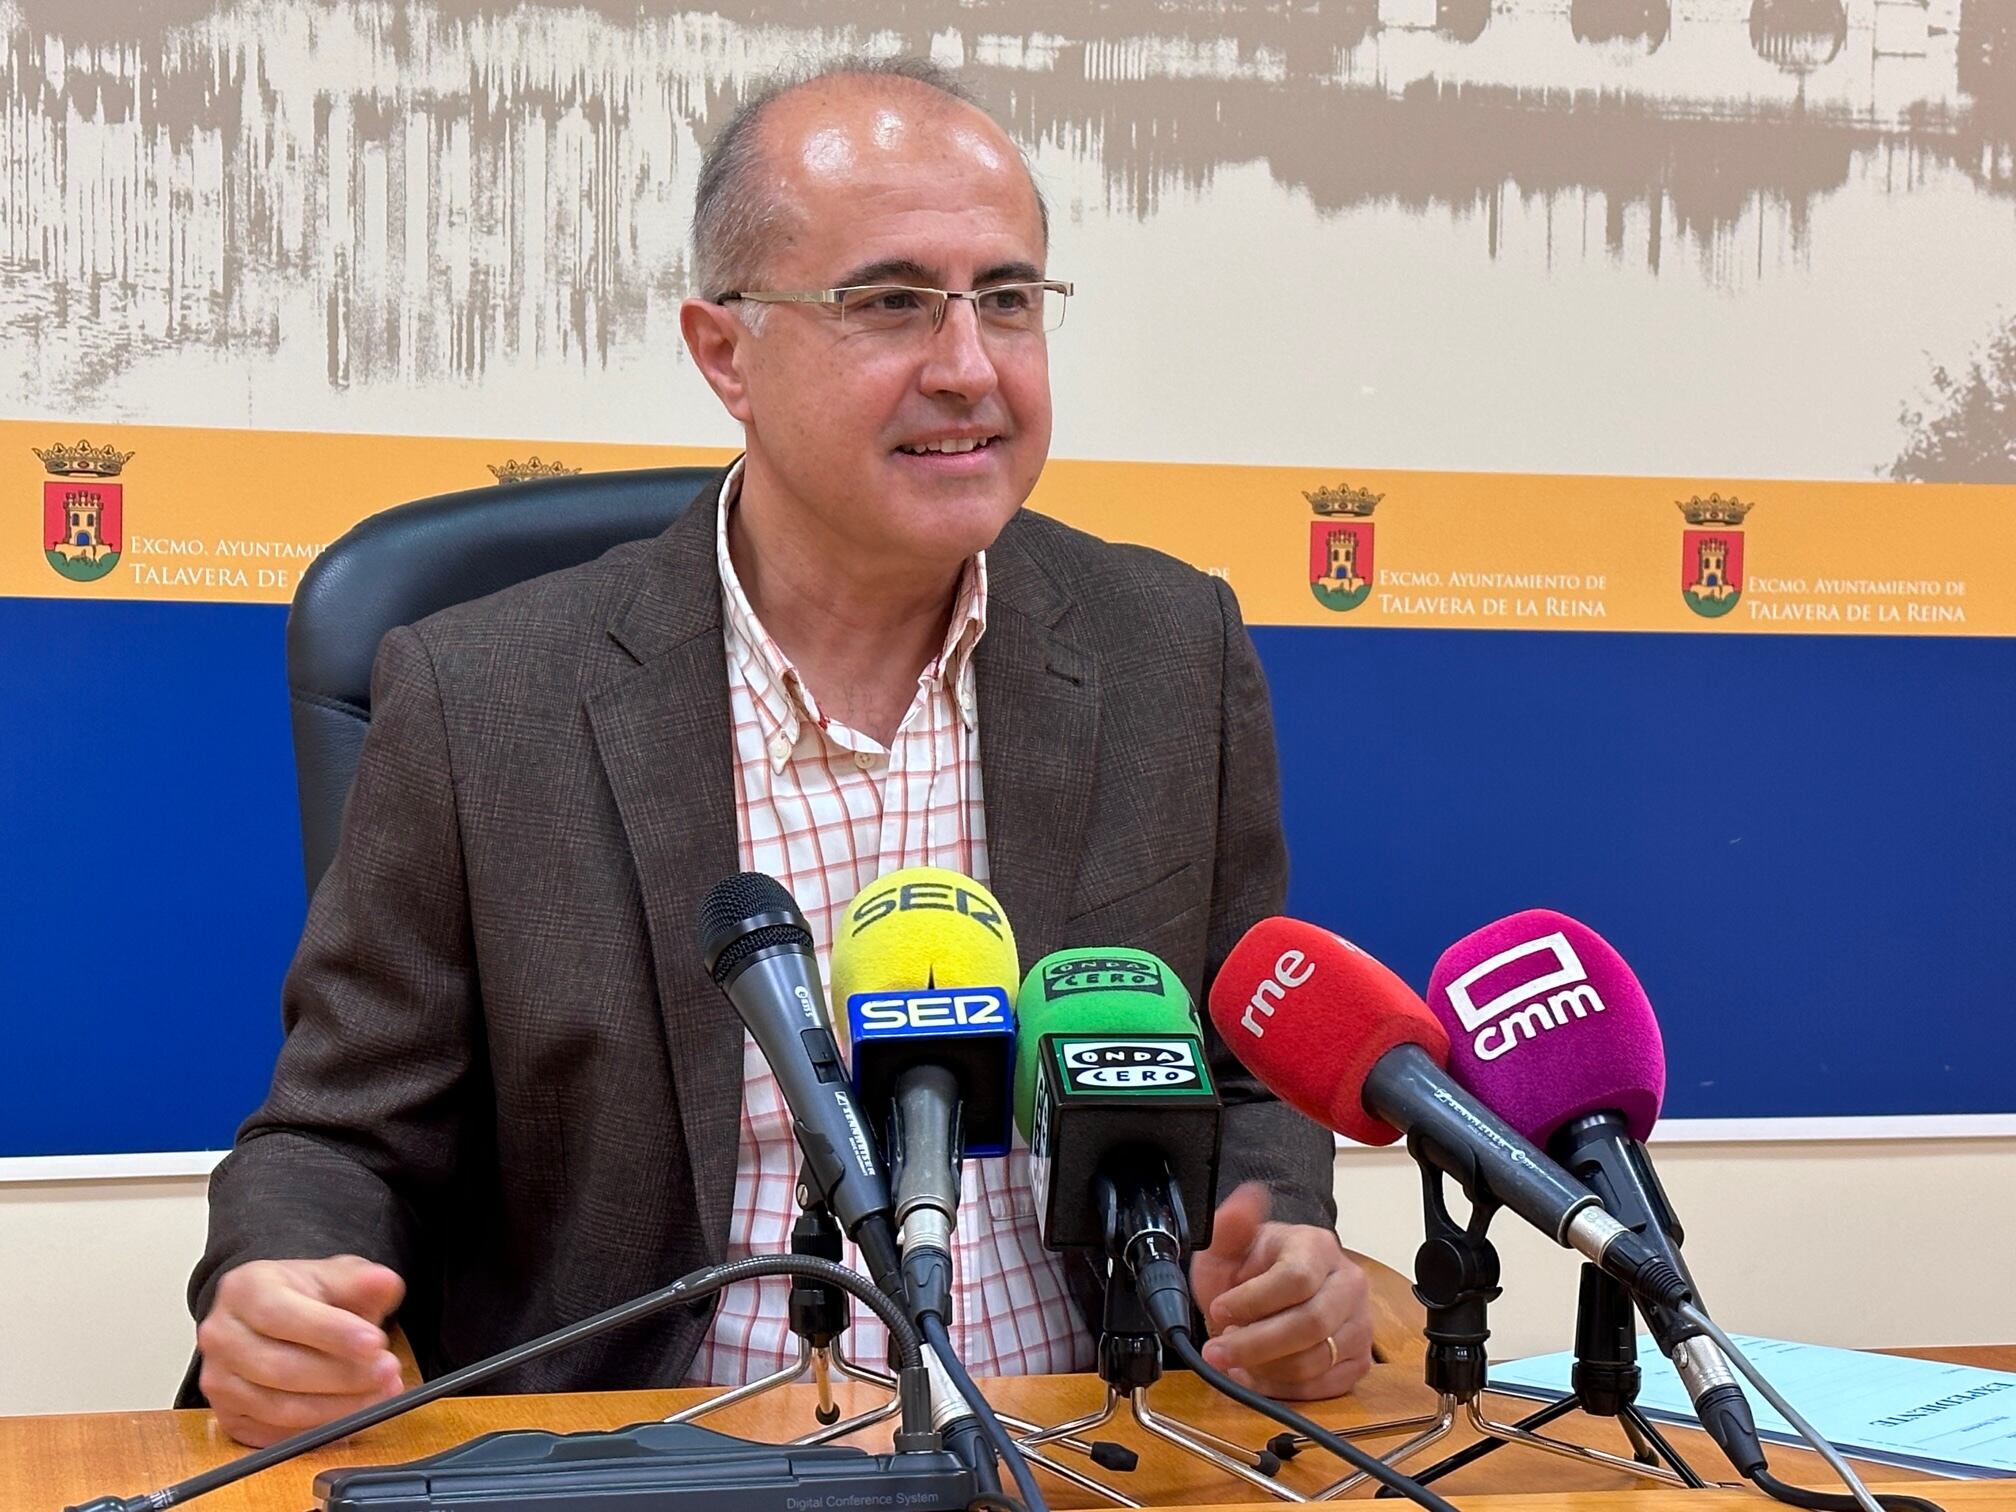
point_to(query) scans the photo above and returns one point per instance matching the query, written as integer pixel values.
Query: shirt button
(779, 748)
(863, 760)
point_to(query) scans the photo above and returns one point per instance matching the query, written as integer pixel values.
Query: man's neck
(859, 632)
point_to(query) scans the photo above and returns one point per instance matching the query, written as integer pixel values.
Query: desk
(49, 1462)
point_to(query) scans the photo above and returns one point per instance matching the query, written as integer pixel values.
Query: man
(509, 1096)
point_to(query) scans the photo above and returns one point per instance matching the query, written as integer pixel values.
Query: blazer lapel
(1039, 728)
(661, 729)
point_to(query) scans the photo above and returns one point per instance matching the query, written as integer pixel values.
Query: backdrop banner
(139, 512)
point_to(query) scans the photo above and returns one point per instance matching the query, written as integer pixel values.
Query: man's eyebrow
(888, 270)
(1011, 272)
(904, 270)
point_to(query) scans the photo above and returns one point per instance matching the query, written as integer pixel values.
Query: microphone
(1115, 1096)
(1553, 1031)
(925, 965)
(758, 950)
(1341, 1039)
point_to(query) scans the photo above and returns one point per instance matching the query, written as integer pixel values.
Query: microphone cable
(933, 1327)
(1181, 1345)
(1859, 1499)
(904, 1342)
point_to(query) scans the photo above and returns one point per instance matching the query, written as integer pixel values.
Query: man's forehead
(849, 136)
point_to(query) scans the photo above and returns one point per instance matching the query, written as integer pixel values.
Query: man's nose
(959, 361)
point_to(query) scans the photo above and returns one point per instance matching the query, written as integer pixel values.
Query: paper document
(1921, 1414)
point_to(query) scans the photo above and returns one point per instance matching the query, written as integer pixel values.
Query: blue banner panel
(1803, 845)
(150, 871)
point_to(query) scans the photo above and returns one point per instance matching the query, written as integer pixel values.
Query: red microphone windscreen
(1546, 1023)
(1310, 1014)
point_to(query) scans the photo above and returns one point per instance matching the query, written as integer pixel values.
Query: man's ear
(715, 337)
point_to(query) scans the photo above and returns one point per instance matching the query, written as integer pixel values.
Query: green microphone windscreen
(1097, 990)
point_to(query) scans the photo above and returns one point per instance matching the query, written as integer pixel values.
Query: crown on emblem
(1714, 510)
(514, 471)
(82, 460)
(1356, 502)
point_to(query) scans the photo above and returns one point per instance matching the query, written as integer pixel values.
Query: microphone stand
(819, 1316)
(1456, 1280)
(1130, 1362)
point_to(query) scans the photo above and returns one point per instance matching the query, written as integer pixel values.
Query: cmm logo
(1711, 553)
(1340, 546)
(1530, 989)
(83, 510)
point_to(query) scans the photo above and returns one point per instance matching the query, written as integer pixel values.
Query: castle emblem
(1711, 553)
(511, 470)
(83, 526)
(1340, 546)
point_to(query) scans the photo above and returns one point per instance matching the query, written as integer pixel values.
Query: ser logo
(1140, 1065)
(1533, 987)
(920, 1012)
(941, 897)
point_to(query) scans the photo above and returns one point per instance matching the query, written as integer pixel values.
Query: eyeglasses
(906, 310)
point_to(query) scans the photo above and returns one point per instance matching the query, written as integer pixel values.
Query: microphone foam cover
(919, 928)
(1094, 990)
(1546, 1023)
(1311, 1014)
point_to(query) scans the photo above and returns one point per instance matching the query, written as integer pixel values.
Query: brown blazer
(506, 1075)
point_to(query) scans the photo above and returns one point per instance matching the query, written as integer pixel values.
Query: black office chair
(403, 564)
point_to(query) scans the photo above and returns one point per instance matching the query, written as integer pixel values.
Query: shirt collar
(782, 698)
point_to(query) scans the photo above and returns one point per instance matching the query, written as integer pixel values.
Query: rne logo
(1291, 970)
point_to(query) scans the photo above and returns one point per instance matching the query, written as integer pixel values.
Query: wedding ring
(1331, 1344)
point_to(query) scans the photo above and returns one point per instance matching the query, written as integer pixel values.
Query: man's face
(897, 185)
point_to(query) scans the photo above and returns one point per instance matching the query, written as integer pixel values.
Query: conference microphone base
(668, 1465)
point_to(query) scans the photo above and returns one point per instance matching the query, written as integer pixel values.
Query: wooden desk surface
(47, 1463)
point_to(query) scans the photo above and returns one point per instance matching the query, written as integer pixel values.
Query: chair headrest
(405, 563)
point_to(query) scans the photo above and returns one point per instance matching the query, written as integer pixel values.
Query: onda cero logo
(1533, 987)
(938, 897)
(1131, 1065)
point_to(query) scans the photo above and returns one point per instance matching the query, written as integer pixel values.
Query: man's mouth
(948, 448)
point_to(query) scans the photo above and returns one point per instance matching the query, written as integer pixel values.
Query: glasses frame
(833, 299)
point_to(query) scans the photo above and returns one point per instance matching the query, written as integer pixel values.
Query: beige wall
(1861, 1244)
(1834, 1243)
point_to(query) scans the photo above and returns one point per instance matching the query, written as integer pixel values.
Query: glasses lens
(1020, 307)
(885, 307)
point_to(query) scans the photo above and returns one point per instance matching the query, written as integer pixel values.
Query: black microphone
(758, 950)
(1115, 1095)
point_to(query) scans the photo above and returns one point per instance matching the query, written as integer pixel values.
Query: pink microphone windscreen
(1546, 1023)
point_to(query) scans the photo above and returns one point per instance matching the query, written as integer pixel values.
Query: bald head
(812, 141)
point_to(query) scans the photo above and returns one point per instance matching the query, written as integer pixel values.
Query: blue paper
(1921, 1414)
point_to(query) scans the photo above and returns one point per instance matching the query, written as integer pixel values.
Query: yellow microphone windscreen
(918, 928)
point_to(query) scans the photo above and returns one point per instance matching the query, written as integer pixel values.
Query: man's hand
(289, 1344)
(1272, 1294)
